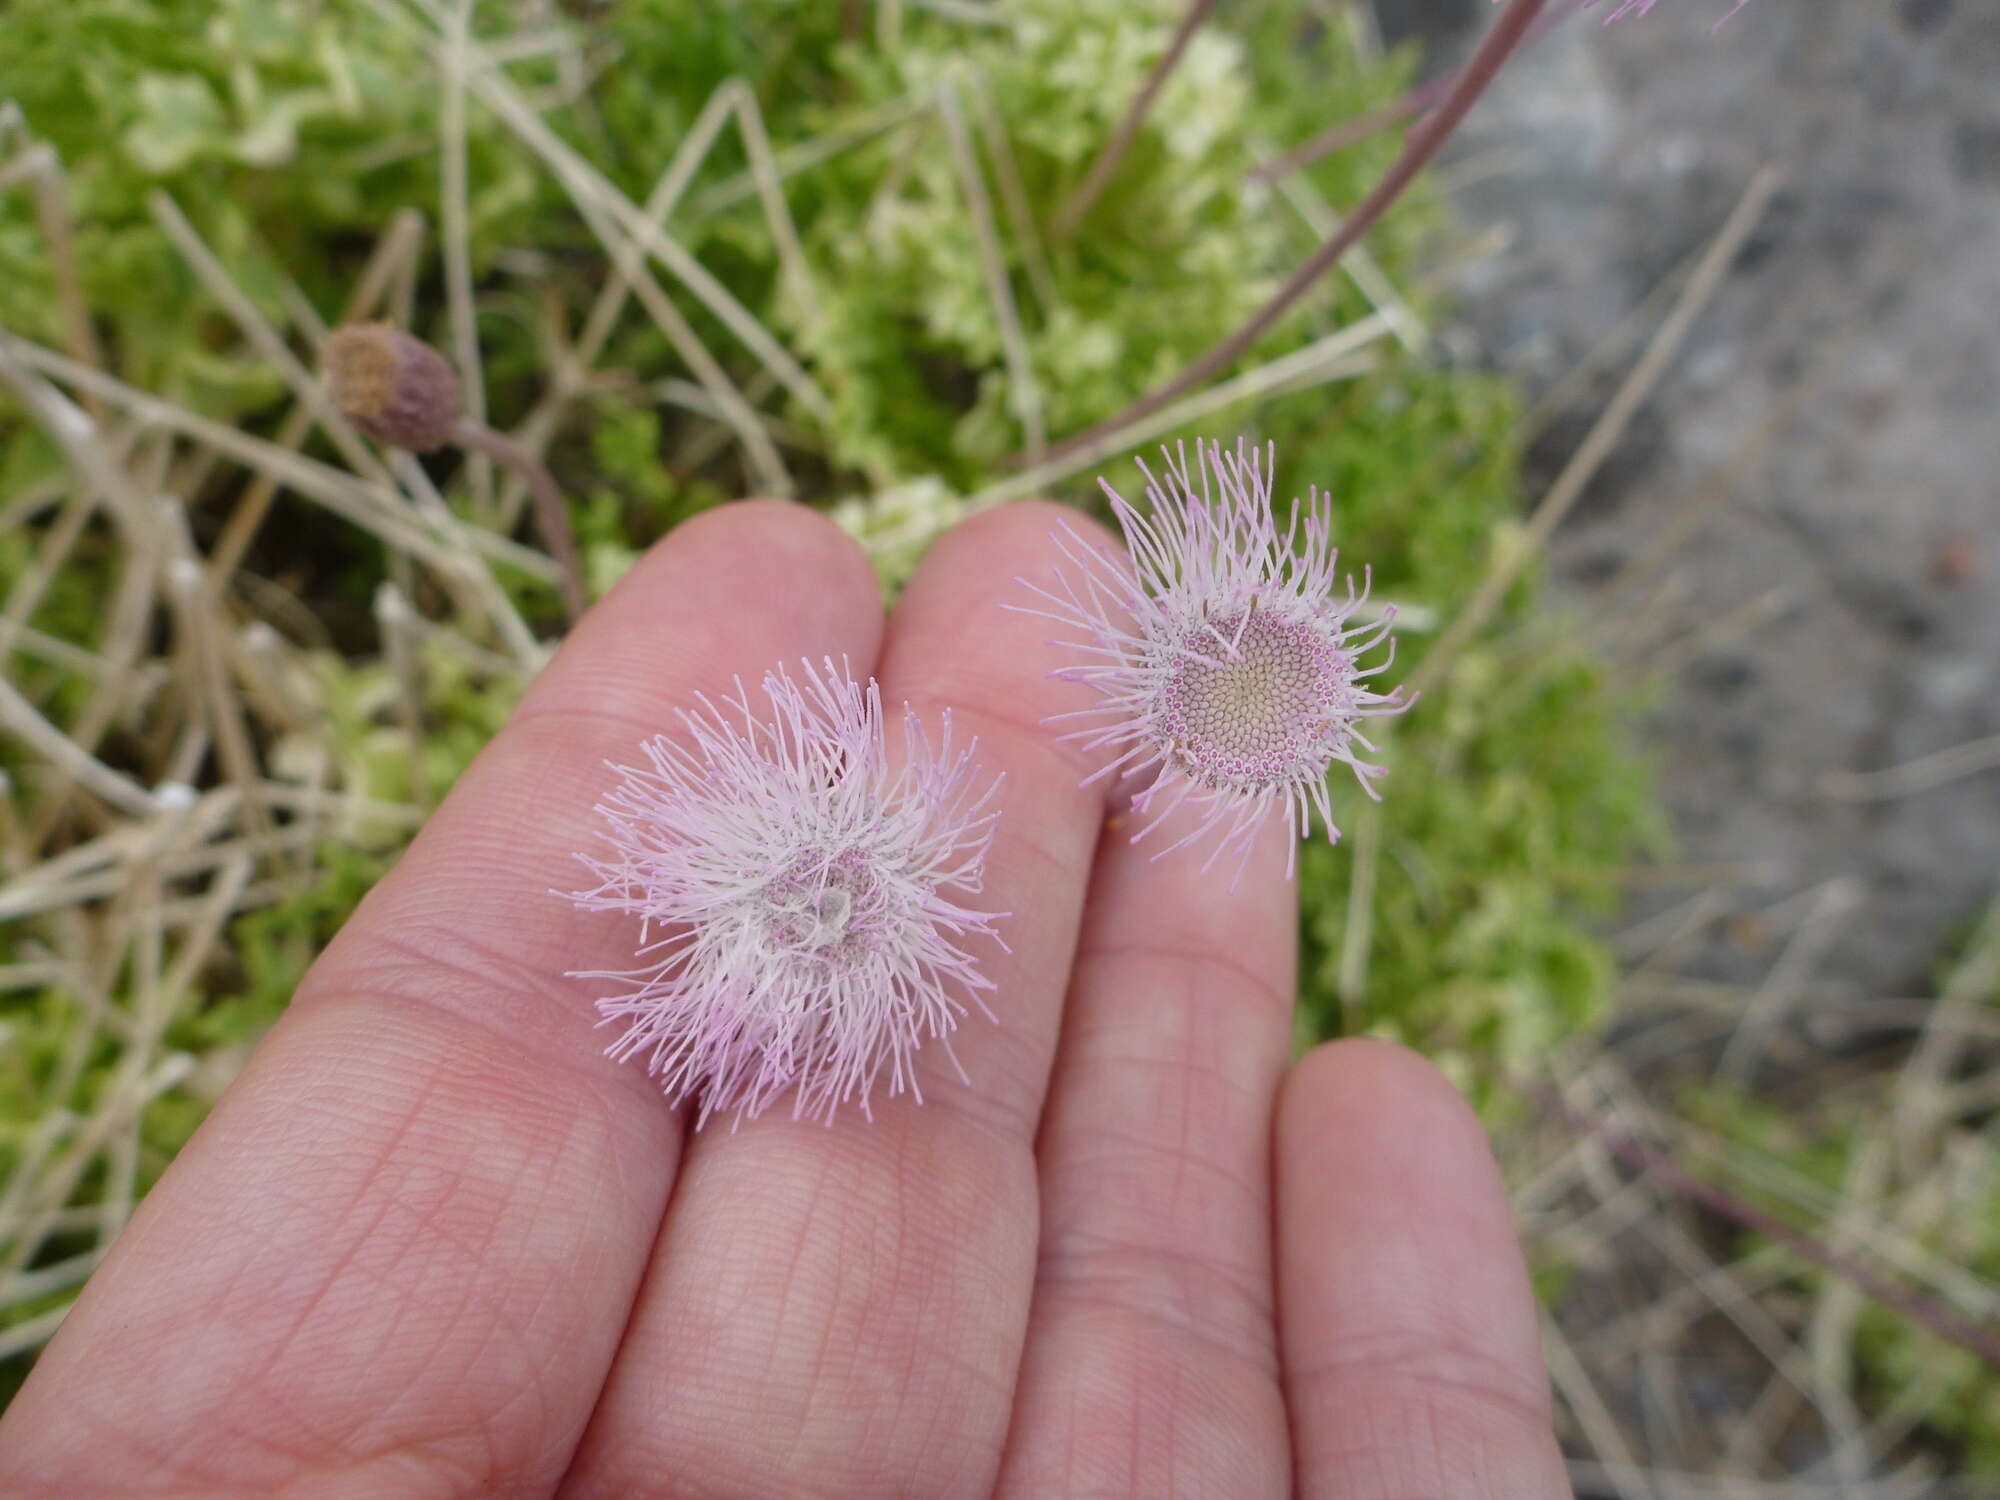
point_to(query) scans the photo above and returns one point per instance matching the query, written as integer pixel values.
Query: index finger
(401, 1250)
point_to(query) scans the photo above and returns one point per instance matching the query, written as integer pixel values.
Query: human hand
(433, 1243)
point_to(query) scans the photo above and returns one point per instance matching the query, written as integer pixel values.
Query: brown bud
(397, 389)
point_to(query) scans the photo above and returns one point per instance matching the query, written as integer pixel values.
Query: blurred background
(1660, 405)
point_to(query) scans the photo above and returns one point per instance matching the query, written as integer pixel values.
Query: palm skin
(433, 1244)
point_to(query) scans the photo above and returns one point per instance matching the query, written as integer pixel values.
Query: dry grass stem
(1022, 392)
(1361, 267)
(551, 510)
(455, 241)
(629, 276)
(594, 194)
(1341, 355)
(992, 130)
(1766, 1009)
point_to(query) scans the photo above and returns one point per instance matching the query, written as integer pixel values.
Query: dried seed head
(796, 887)
(396, 388)
(1227, 668)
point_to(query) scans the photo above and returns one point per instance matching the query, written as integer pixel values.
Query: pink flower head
(794, 885)
(1225, 664)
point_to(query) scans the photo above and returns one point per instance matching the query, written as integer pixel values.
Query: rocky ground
(1838, 607)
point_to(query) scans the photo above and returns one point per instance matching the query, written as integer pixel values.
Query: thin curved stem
(551, 513)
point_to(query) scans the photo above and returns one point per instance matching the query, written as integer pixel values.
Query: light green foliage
(900, 327)
(272, 948)
(1168, 262)
(1483, 868)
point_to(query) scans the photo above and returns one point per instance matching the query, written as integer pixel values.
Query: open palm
(432, 1243)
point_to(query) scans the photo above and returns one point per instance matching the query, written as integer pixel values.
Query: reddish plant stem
(551, 514)
(1927, 1312)
(1128, 128)
(1418, 149)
